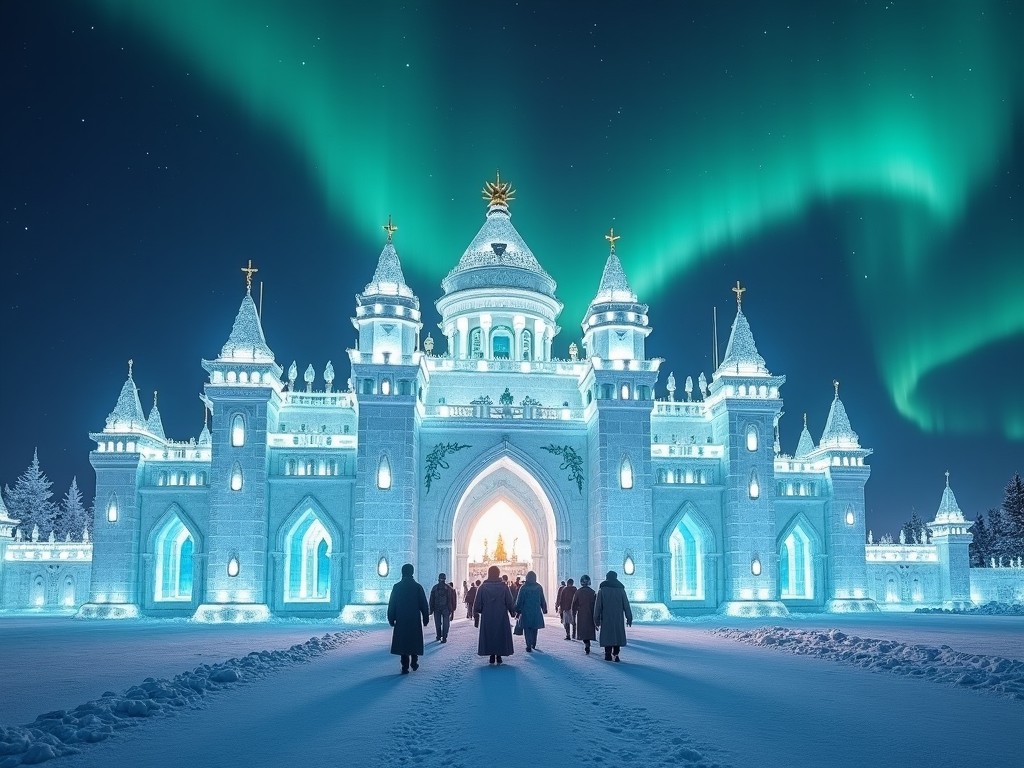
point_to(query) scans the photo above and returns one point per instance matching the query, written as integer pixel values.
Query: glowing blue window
(308, 549)
(687, 561)
(796, 577)
(175, 548)
(237, 431)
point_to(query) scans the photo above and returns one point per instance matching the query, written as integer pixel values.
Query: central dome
(498, 257)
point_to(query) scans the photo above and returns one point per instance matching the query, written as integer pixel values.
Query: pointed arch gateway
(309, 543)
(799, 547)
(500, 476)
(174, 546)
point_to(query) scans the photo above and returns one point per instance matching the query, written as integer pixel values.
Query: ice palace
(304, 500)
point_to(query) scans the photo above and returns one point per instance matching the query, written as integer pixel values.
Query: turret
(243, 393)
(616, 324)
(744, 404)
(387, 311)
(952, 538)
(840, 455)
(155, 423)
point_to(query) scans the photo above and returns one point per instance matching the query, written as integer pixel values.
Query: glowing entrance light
(849, 517)
(755, 566)
(382, 566)
(112, 509)
(233, 567)
(384, 473)
(628, 566)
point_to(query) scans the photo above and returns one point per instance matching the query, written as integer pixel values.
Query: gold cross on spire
(249, 272)
(390, 228)
(611, 237)
(835, 383)
(498, 192)
(739, 290)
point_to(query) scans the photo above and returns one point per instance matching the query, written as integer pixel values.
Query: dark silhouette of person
(583, 612)
(491, 611)
(612, 614)
(406, 607)
(531, 607)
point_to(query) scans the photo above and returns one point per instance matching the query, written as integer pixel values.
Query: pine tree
(1013, 510)
(1000, 536)
(30, 499)
(980, 546)
(912, 528)
(72, 518)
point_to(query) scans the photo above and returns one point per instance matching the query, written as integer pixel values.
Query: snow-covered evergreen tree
(73, 517)
(29, 501)
(912, 528)
(980, 545)
(1000, 534)
(1013, 509)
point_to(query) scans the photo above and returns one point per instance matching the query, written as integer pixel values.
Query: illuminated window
(308, 550)
(174, 550)
(751, 438)
(385, 387)
(625, 473)
(384, 473)
(112, 509)
(624, 392)
(687, 561)
(236, 477)
(850, 517)
(233, 566)
(795, 566)
(237, 431)
(754, 488)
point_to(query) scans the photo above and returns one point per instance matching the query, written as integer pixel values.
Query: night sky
(858, 166)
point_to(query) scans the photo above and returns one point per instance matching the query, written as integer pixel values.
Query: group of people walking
(585, 614)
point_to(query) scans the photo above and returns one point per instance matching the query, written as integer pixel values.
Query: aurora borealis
(857, 165)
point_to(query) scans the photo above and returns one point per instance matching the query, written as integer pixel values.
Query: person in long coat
(491, 611)
(530, 608)
(612, 614)
(471, 599)
(583, 612)
(406, 607)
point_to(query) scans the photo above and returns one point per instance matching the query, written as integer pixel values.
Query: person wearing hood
(564, 608)
(471, 598)
(531, 607)
(491, 610)
(583, 612)
(407, 605)
(612, 614)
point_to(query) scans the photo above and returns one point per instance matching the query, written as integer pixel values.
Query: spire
(838, 432)
(949, 511)
(127, 414)
(204, 436)
(741, 354)
(247, 342)
(7, 523)
(806, 444)
(154, 423)
(614, 285)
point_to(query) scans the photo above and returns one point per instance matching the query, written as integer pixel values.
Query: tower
(841, 456)
(744, 404)
(621, 380)
(386, 377)
(243, 393)
(117, 461)
(952, 538)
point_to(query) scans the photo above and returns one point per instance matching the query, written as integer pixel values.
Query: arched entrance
(506, 485)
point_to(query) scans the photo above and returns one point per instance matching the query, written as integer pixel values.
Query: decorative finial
(947, 478)
(130, 364)
(574, 351)
(390, 228)
(739, 290)
(154, 398)
(805, 421)
(498, 192)
(206, 416)
(611, 237)
(835, 383)
(428, 344)
(249, 272)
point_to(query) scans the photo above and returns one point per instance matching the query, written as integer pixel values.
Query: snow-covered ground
(820, 690)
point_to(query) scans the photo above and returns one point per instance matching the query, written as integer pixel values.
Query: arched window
(38, 592)
(624, 392)
(308, 548)
(796, 574)
(687, 561)
(384, 473)
(237, 431)
(162, 479)
(112, 508)
(625, 473)
(501, 343)
(236, 477)
(754, 488)
(174, 550)
(752, 438)
(892, 590)
(68, 598)
(310, 467)
(527, 345)
(476, 348)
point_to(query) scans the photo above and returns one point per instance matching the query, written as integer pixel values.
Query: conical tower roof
(247, 342)
(388, 278)
(127, 413)
(949, 511)
(614, 285)
(741, 354)
(154, 423)
(5, 516)
(838, 432)
(806, 444)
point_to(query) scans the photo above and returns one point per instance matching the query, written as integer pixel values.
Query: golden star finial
(739, 290)
(249, 272)
(498, 192)
(390, 228)
(611, 237)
